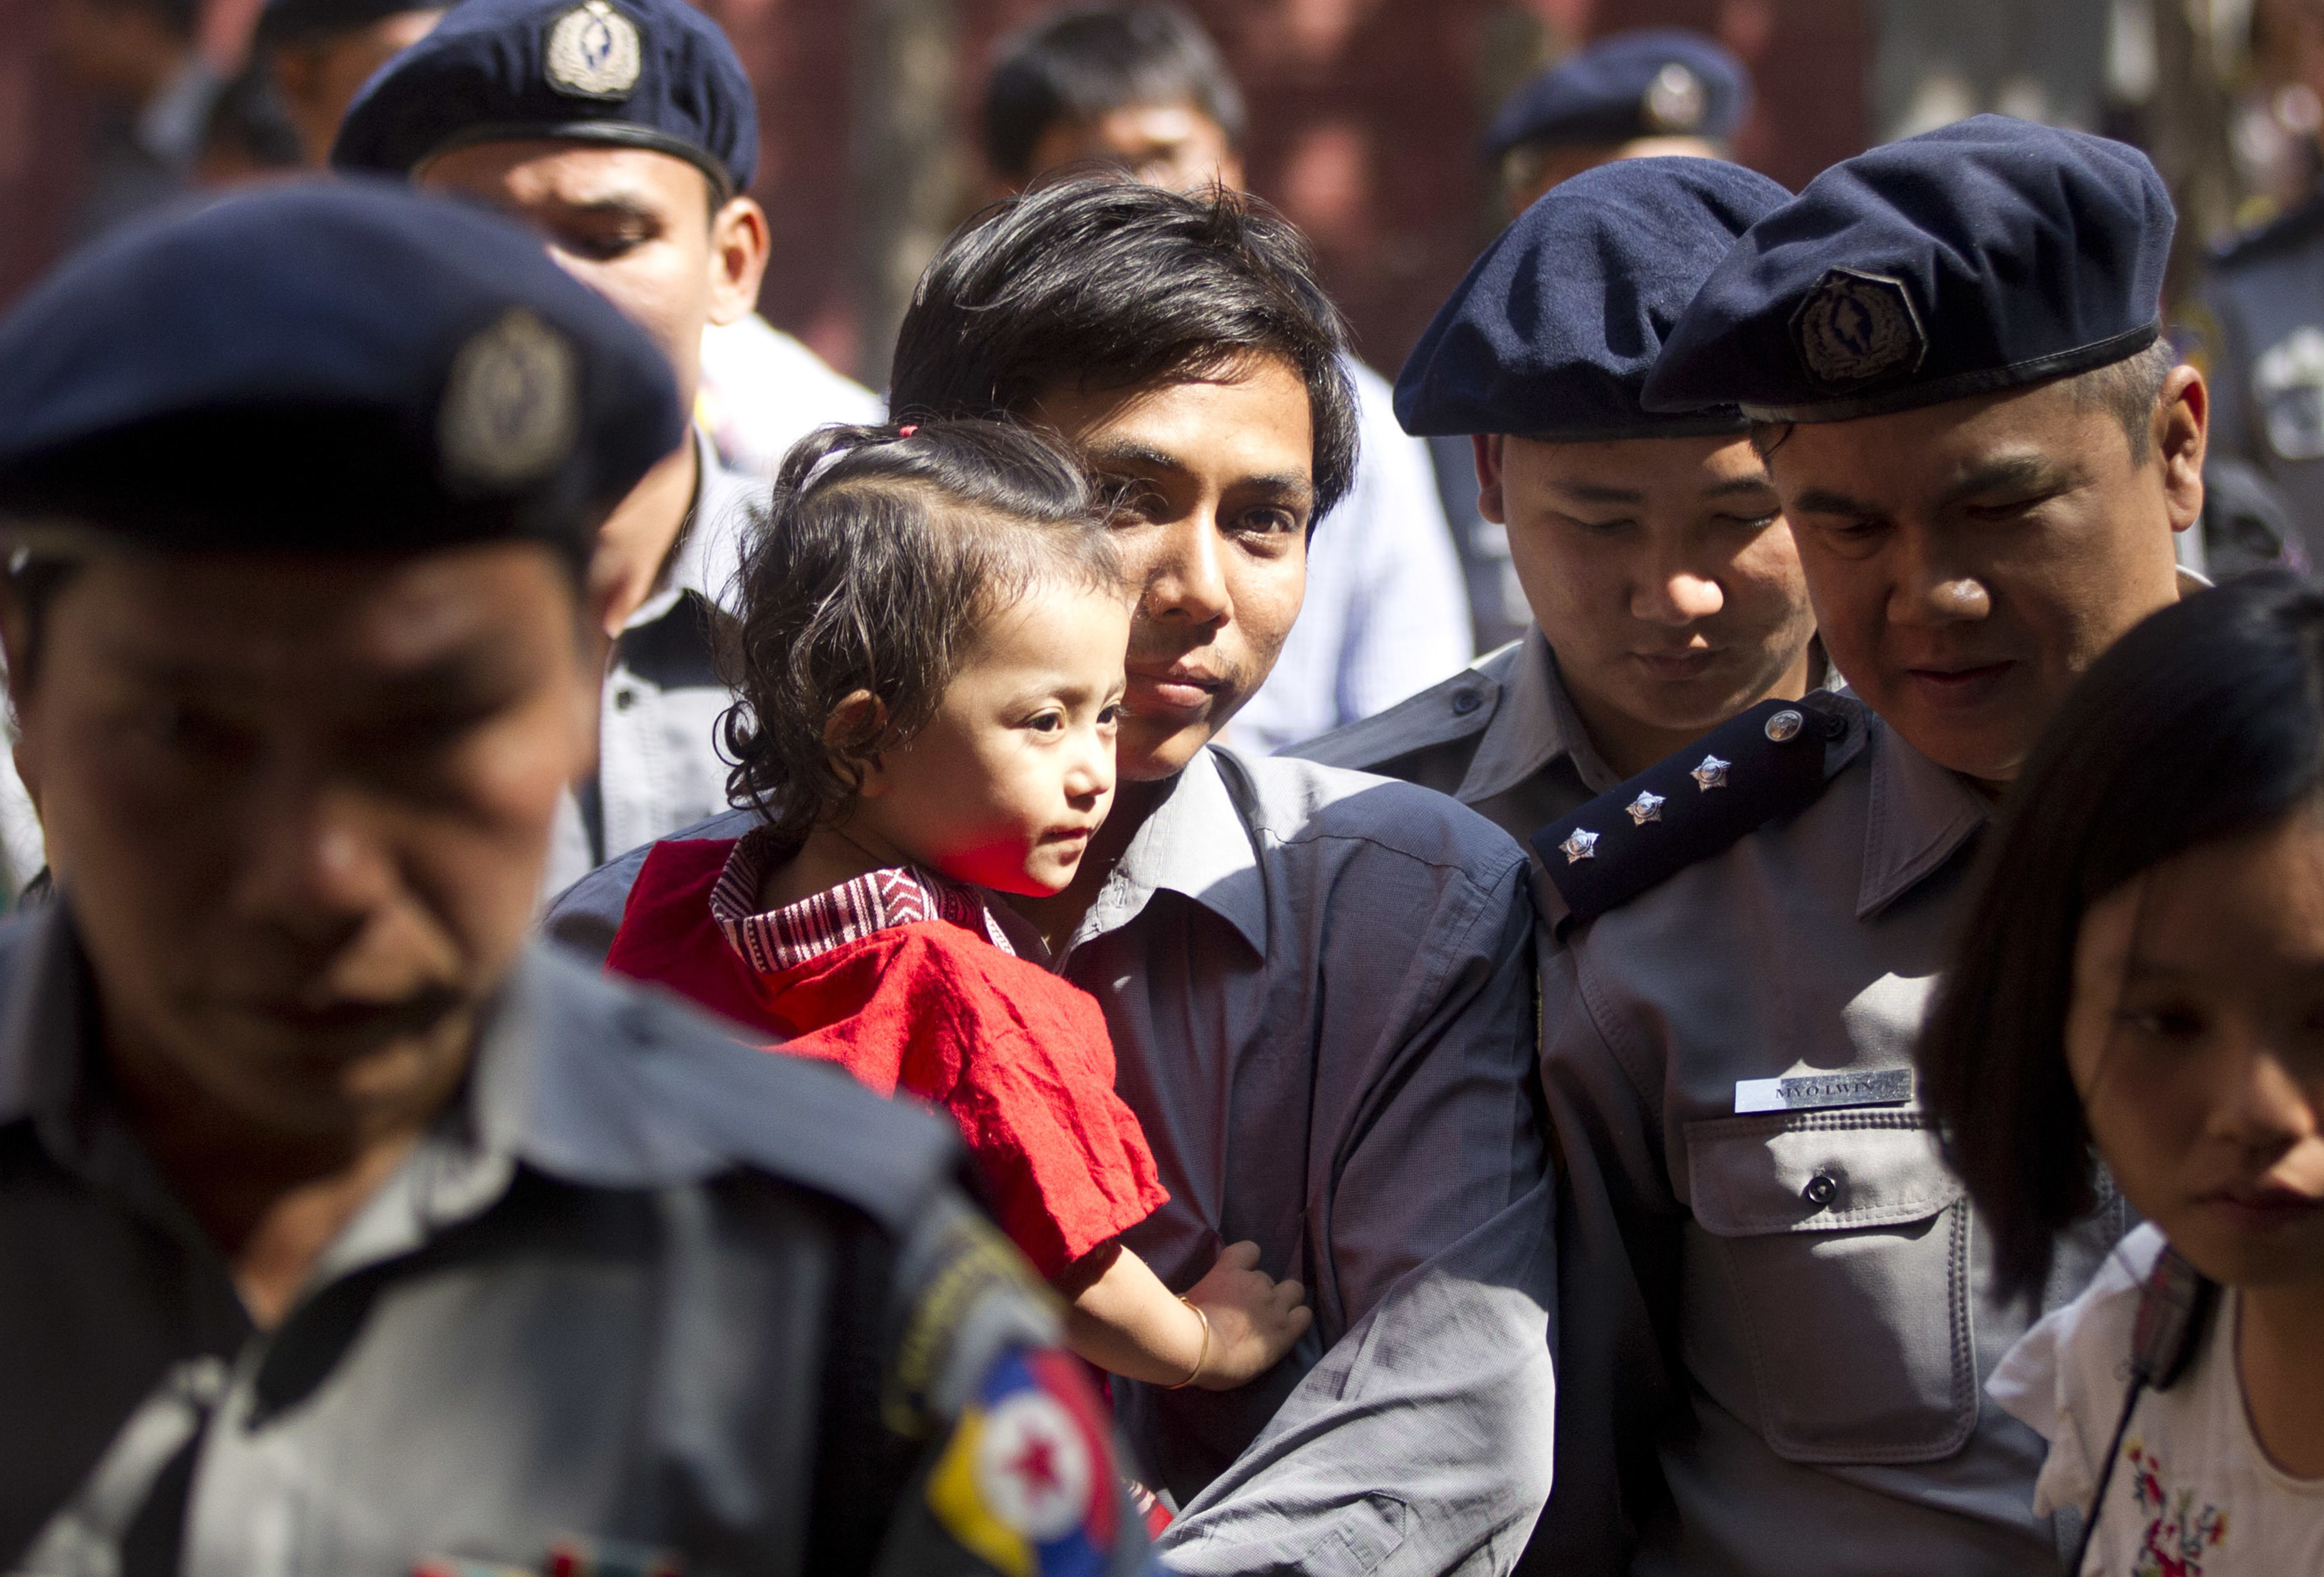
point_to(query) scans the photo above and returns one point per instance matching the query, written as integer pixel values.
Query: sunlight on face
(2196, 1037)
(1015, 772)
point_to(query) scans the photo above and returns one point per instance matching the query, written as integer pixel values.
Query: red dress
(885, 976)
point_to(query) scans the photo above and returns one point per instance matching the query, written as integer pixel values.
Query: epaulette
(2286, 230)
(1455, 709)
(1757, 765)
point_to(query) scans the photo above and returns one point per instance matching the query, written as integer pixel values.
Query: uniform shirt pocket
(1827, 1297)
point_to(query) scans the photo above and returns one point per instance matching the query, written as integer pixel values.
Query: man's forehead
(1252, 418)
(282, 615)
(1941, 446)
(564, 170)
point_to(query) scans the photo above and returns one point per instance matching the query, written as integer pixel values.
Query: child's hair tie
(908, 429)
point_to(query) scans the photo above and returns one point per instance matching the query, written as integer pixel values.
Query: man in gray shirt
(1320, 985)
(346, 1235)
(1983, 451)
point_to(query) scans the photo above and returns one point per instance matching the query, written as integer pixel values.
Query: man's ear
(1491, 503)
(17, 646)
(854, 726)
(740, 239)
(2180, 438)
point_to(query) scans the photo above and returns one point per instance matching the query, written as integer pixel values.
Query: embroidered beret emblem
(1580, 845)
(1645, 809)
(1675, 100)
(594, 52)
(511, 406)
(1711, 774)
(1854, 327)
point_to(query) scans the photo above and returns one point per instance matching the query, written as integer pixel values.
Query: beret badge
(1675, 100)
(1855, 327)
(512, 407)
(594, 52)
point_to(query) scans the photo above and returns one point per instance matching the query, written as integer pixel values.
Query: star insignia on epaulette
(1645, 809)
(1711, 774)
(1580, 845)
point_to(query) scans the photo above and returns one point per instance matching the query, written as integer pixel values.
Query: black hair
(1081, 62)
(1104, 283)
(2205, 721)
(887, 550)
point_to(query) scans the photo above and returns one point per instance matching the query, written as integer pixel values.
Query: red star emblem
(1036, 1465)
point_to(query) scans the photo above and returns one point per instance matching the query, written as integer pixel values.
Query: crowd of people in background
(637, 958)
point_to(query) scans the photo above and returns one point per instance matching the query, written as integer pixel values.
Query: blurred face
(1663, 574)
(1172, 146)
(634, 225)
(1015, 772)
(1528, 170)
(299, 808)
(1968, 560)
(1216, 478)
(2196, 1037)
(319, 80)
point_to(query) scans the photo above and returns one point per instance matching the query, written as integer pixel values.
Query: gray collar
(1533, 726)
(708, 555)
(1920, 814)
(1198, 841)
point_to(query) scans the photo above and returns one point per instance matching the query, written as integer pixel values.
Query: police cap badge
(593, 52)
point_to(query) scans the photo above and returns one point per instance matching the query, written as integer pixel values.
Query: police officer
(316, 53)
(347, 1233)
(625, 135)
(1630, 94)
(1665, 591)
(1773, 1338)
(2257, 326)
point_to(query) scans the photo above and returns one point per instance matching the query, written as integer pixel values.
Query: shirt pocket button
(1821, 1190)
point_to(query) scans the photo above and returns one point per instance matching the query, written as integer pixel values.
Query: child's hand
(1254, 1318)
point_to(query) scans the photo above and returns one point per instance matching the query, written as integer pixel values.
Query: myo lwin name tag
(1808, 1091)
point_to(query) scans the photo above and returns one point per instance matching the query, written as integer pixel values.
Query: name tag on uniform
(1806, 1091)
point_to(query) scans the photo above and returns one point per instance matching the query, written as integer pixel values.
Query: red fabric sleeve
(1019, 1058)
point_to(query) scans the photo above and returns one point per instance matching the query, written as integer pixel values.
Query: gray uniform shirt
(1502, 738)
(1777, 1327)
(640, 1288)
(1319, 987)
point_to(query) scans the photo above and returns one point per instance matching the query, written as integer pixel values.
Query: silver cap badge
(1711, 774)
(512, 410)
(1645, 809)
(1675, 100)
(1854, 327)
(594, 52)
(1579, 845)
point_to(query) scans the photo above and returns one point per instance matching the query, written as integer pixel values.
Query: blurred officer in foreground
(1141, 87)
(1630, 95)
(1666, 594)
(1950, 346)
(317, 53)
(346, 1233)
(625, 135)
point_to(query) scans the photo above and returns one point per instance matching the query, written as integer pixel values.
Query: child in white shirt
(2139, 1002)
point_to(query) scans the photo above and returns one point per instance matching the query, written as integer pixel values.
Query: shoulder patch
(1757, 765)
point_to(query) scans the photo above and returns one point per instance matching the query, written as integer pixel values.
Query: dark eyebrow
(1734, 486)
(2018, 473)
(1130, 455)
(1597, 492)
(1821, 500)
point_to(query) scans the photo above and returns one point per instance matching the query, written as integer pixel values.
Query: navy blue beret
(655, 74)
(335, 367)
(1654, 82)
(1987, 255)
(1555, 328)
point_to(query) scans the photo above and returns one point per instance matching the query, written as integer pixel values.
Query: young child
(2140, 995)
(930, 668)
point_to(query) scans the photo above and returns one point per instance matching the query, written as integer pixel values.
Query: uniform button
(1821, 1189)
(625, 699)
(1835, 726)
(1465, 701)
(1784, 726)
